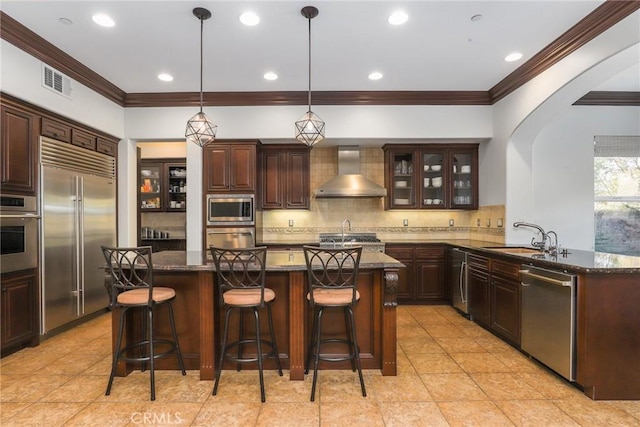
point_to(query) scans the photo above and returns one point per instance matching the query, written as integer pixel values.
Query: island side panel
(297, 304)
(608, 344)
(389, 287)
(208, 332)
(187, 309)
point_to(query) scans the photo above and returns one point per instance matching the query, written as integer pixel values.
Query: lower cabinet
(422, 280)
(494, 296)
(505, 299)
(19, 309)
(479, 296)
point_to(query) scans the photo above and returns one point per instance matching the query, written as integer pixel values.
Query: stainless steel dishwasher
(548, 318)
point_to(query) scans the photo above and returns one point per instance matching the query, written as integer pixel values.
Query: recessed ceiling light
(249, 18)
(398, 18)
(165, 77)
(514, 56)
(103, 20)
(270, 75)
(65, 21)
(375, 75)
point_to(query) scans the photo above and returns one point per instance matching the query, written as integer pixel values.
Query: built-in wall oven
(230, 238)
(230, 210)
(19, 230)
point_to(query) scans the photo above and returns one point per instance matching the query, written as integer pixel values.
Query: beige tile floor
(450, 372)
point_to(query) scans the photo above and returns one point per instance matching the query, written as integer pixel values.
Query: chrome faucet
(542, 244)
(553, 244)
(343, 224)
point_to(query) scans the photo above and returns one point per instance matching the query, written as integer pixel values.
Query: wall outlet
(290, 223)
(451, 222)
(405, 222)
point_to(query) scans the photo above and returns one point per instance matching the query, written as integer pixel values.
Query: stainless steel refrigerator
(78, 207)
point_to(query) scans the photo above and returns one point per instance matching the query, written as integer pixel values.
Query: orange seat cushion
(336, 296)
(141, 296)
(247, 297)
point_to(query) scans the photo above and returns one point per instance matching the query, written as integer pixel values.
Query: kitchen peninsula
(198, 314)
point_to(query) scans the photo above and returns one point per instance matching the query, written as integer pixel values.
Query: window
(617, 194)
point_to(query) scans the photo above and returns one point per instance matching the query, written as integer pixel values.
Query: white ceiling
(439, 48)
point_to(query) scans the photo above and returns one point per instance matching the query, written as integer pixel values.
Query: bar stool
(332, 277)
(241, 285)
(131, 275)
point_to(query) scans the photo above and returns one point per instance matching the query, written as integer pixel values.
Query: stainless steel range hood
(349, 182)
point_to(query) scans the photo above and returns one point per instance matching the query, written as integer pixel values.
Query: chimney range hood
(349, 182)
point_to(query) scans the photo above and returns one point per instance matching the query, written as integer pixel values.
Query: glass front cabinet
(433, 176)
(163, 186)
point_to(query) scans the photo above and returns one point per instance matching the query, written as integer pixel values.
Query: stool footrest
(122, 354)
(237, 359)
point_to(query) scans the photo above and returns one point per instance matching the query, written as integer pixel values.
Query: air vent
(56, 81)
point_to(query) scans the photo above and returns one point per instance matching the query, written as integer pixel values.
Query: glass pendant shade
(200, 129)
(310, 129)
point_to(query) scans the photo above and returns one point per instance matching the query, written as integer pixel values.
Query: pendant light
(200, 129)
(309, 128)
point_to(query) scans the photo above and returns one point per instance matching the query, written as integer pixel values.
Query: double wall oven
(19, 233)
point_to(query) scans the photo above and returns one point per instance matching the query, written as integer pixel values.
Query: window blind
(616, 146)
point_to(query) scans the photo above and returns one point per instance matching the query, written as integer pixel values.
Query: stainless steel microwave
(231, 209)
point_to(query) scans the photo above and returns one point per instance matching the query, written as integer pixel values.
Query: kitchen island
(198, 313)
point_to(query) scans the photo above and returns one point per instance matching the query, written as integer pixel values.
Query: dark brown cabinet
(21, 126)
(19, 151)
(406, 275)
(505, 299)
(433, 176)
(422, 280)
(285, 177)
(19, 309)
(56, 130)
(162, 185)
(230, 167)
(494, 295)
(478, 288)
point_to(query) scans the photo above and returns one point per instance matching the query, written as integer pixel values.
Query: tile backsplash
(368, 214)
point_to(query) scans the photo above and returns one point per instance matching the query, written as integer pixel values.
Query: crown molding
(602, 18)
(184, 99)
(598, 21)
(610, 98)
(28, 41)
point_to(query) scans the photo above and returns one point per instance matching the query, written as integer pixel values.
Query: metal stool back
(240, 277)
(332, 277)
(131, 277)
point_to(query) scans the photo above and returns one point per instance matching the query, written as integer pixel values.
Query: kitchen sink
(515, 250)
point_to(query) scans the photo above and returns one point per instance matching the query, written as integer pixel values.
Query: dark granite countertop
(276, 261)
(576, 260)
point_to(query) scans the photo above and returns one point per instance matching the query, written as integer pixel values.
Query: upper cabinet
(285, 177)
(21, 126)
(433, 176)
(163, 185)
(230, 167)
(19, 143)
